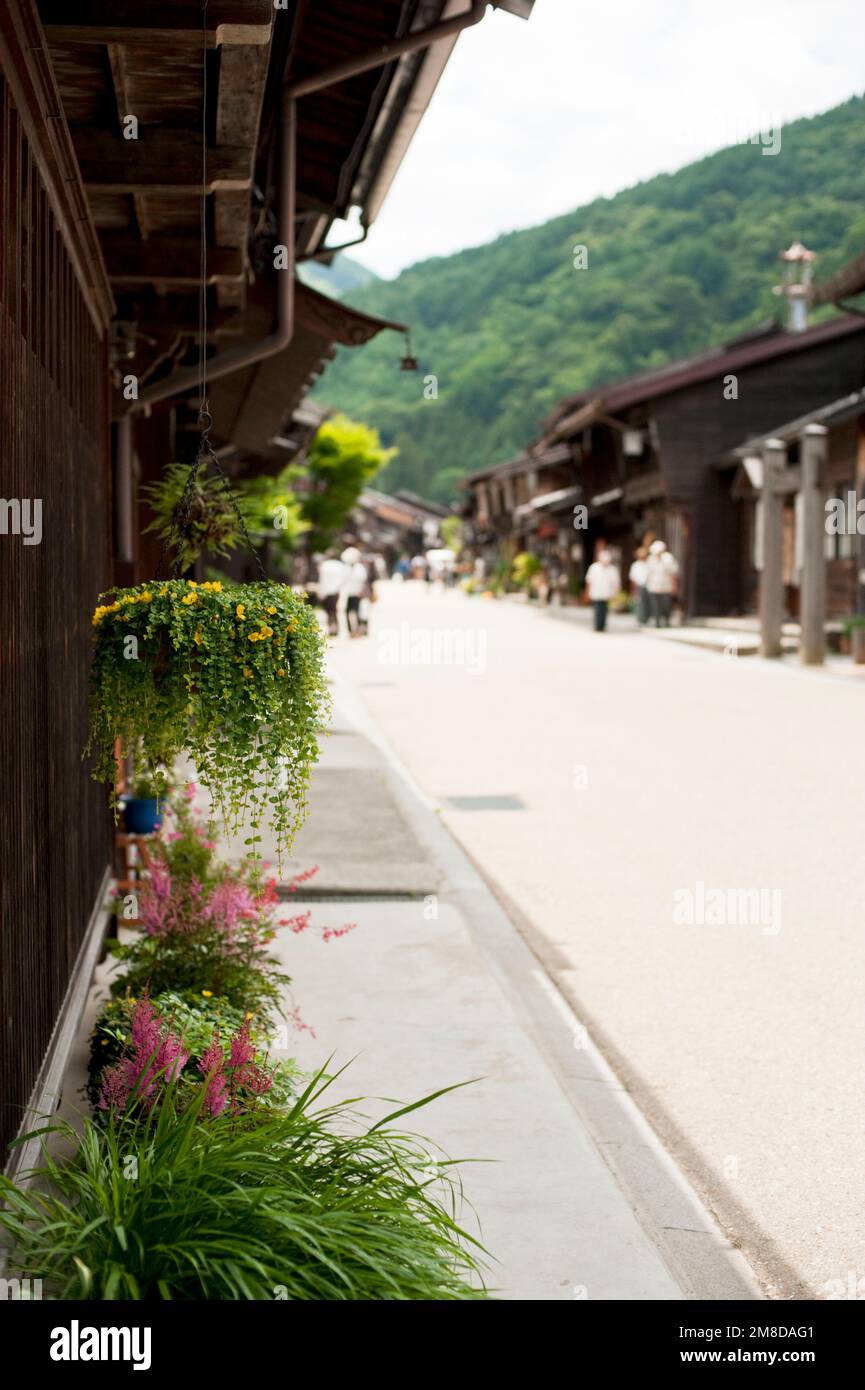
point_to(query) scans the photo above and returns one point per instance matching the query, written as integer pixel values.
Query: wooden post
(812, 453)
(772, 578)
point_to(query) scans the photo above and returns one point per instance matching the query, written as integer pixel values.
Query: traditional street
(647, 813)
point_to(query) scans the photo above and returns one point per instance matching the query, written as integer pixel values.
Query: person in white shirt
(662, 572)
(637, 576)
(331, 580)
(603, 583)
(356, 585)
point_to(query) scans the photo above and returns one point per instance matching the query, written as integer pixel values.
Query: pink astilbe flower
(156, 908)
(155, 1057)
(230, 904)
(246, 1073)
(212, 1064)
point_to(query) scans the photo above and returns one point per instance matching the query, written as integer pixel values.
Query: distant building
(656, 452)
(402, 524)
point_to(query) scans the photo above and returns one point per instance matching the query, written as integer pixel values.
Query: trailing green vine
(230, 675)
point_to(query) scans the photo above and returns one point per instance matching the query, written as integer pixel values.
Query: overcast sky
(533, 119)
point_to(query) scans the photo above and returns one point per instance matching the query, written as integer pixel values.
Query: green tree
(344, 457)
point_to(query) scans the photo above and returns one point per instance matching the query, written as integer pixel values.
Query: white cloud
(532, 119)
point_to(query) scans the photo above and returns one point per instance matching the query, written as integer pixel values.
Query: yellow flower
(145, 597)
(246, 671)
(207, 993)
(249, 1015)
(103, 1042)
(271, 609)
(190, 598)
(280, 672)
(192, 583)
(196, 637)
(254, 636)
(240, 611)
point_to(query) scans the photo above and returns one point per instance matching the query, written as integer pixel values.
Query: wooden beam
(169, 261)
(226, 22)
(220, 324)
(772, 574)
(119, 78)
(242, 79)
(231, 218)
(813, 449)
(160, 161)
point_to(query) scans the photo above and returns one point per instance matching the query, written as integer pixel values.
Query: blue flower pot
(142, 817)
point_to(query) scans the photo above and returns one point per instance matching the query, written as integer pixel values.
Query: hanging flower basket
(230, 675)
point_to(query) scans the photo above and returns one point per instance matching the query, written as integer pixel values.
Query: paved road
(680, 845)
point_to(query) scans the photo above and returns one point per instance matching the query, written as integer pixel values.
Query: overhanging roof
(159, 63)
(538, 459)
(622, 395)
(250, 406)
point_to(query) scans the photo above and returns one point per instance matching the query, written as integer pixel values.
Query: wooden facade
(648, 452)
(55, 832)
(125, 129)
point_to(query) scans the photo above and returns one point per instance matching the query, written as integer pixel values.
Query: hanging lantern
(408, 362)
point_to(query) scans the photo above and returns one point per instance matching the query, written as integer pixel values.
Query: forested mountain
(674, 264)
(340, 277)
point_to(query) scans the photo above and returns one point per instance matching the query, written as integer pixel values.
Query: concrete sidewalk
(576, 1199)
(436, 987)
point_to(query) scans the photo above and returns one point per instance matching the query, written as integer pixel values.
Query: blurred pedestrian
(662, 574)
(637, 575)
(603, 583)
(331, 581)
(356, 585)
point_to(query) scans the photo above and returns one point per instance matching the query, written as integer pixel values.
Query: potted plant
(525, 571)
(621, 603)
(230, 676)
(142, 808)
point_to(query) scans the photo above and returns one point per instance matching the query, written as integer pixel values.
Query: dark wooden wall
(697, 427)
(55, 832)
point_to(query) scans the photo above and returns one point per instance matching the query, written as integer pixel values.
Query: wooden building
(128, 129)
(648, 452)
(844, 547)
(525, 504)
(397, 525)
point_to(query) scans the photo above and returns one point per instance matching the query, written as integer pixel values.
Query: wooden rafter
(169, 261)
(226, 22)
(117, 63)
(165, 161)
